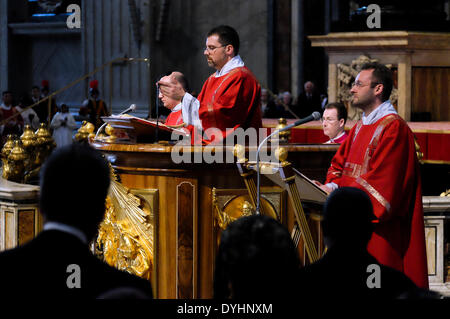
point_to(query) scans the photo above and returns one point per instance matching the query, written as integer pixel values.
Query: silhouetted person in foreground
(347, 270)
(256, 260)
(58, 263)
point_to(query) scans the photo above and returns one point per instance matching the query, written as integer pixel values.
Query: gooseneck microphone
(130, 109)
(313, 117)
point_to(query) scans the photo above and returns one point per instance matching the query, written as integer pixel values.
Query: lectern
(187, 199)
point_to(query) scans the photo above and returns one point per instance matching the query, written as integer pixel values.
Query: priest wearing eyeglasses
(230, 97)
(333, 122)
(379, 157)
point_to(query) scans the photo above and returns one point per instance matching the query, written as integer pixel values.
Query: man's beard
(211, 63)
(360, 104)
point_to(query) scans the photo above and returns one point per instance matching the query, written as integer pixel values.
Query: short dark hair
(357, 226)
(250, 248)
(6, 92)
(340, 108)
(74, 184)
(227, 35)
(35, 87)
(380, 75)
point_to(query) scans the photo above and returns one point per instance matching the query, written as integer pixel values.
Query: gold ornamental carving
(85, 132)
(125, 236)
(223, 219)
(282, 137)
(346, 76)
(230, 207)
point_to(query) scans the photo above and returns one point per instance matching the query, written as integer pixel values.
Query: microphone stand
(157, 114)
(130, 109)
(313, 116)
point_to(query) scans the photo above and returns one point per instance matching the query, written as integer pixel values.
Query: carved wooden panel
(26, 227)
(185, 240)
(431, 92)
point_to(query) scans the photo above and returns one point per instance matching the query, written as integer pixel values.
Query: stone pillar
(332, 82)
(4, 45)
(404, 88)
(20, 220)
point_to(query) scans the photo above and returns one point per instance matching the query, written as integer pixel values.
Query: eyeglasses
(360, 85)
(327, 119)
(211, 48)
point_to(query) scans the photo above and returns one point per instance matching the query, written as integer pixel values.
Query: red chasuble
(229, 102)
(381, 160)
(174, 118)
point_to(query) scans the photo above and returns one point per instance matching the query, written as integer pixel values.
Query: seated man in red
(230, 97)
(333, 122)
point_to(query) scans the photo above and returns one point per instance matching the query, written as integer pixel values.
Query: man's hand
(171, 88)
(326, 189)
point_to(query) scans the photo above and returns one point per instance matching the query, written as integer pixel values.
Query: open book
(141, 130)
(308, 191)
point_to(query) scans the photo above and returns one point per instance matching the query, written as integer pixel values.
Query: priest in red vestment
(230, 97)
(379, 157)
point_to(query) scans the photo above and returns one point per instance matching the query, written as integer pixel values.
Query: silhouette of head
(74, 184)
(348, 218)
(256, 259)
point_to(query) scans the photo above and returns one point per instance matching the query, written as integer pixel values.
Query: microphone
(132, 108)
(313, 117)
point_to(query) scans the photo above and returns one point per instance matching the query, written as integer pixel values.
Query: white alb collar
(177, 108)
(337, 137)
(382, 110)
(235, 62)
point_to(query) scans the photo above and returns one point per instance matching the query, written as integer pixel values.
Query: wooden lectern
(183, 196)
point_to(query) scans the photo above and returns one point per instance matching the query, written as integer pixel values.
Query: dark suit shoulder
(64, 266)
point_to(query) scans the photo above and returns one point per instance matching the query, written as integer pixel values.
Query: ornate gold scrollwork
(223, 219)
(125, 237)
(418, 152)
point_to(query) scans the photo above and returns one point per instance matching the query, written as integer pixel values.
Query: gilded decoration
(229, 205)
(346, 76)
(22, 157)
(125, 236)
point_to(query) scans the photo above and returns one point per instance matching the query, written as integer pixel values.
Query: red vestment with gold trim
(380, 159)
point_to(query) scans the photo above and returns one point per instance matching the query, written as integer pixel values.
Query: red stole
(381, 160)
(229, 102)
